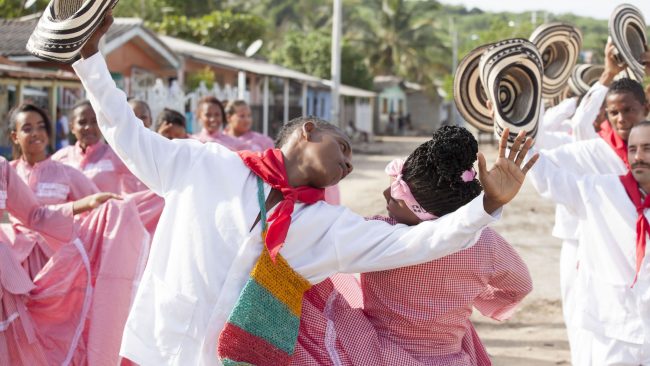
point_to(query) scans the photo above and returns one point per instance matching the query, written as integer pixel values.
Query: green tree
(311, 54)
(224, 30)
(401, 38)
(16, 8)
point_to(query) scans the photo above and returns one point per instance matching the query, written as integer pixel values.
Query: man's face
(142, 113)
(327, 157)
(84, 126)
(624, 111)
(638, 153)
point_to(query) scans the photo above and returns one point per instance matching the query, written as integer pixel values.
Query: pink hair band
(401, 191)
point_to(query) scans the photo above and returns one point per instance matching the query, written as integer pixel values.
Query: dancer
(93, 157)
(611, 288)
(240, 120)
(210, 234)
(419, 315)
(212, 116)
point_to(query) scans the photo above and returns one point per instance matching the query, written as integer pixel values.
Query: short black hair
(627, 85)
(434, 171)
(289, 127)
(170, 116)
(13, 122)
(132, 100)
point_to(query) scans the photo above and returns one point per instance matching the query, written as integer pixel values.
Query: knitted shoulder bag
(262, 328)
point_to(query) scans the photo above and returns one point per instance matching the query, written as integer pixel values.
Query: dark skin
(83, 126)
(624, 111)
(32, 137)
(321, 158)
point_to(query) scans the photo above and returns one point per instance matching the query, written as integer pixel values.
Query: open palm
(504, 180)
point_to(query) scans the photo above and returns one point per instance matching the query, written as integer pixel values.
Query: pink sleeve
(510, 281)
(54, 222)
(129, 183)
(80, 185)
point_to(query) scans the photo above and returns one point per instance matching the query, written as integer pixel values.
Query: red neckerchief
(615, 141)
(269, 165)
(642, 226)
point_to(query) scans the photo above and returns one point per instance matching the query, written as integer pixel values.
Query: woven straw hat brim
(511, 72)
(65, 27)
(559, 45)
(584, 76)
(627, 31)
(469, 94)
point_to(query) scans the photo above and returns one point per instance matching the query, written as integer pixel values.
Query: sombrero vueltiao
(627, 32)
(559, 44)
(511, 72)
(584, 76)
(469, 93)
(65, 26)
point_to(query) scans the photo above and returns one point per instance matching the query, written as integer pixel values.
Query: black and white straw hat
(511, 72)
(469, 93)
(559, 44)
(627, 32)
(583, 77)
(65, 27)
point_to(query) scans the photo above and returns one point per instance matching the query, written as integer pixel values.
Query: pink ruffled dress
(417, 315)
(73, 310)
(100, 163)
(221, 138)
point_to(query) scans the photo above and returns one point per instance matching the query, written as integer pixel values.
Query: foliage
(224, 30)
(16, 8)
(205, 75)
(311, 54)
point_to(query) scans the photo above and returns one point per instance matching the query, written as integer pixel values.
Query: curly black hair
(289, 127)
(627, 85)
(433, 171)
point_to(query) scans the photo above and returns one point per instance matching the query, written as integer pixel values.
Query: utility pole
(453, 112)
(336, 63)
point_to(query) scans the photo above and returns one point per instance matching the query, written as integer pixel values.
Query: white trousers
(592, 349)
(568, 273)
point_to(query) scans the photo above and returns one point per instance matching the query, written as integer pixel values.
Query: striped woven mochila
(262, 328)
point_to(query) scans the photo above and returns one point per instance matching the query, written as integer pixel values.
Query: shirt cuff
(89, 68)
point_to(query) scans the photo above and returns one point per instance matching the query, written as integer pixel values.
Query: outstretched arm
(374, 245)
(158, 162)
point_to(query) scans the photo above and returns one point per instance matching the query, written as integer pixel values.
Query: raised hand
(92, 46)
(612, 68)
(92, 202)
(504, 180)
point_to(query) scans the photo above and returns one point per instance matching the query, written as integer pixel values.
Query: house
(418, 109)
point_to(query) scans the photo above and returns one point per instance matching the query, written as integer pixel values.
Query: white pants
(568, 273)
(596, 350)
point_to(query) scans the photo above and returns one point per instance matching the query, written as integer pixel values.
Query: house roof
(14, 34)
(12, 70)
(225, 59)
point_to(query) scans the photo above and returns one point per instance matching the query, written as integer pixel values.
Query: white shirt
(566, 227)
(606, 302)
(202, 251)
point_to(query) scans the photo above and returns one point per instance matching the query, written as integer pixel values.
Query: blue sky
(600, 9)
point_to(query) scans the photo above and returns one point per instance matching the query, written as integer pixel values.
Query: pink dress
(51, 183)
(255, 141)
(417, 315)
(221, 138)
(100, 163)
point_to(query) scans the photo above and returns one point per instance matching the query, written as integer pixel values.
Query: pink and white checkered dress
(417, 315)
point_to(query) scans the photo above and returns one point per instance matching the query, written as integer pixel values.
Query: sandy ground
(535, 335)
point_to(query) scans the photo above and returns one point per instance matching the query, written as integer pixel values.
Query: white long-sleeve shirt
(202, 251)
(606, 302)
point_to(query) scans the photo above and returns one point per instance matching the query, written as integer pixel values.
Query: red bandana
(642, 226)
(269, 165)
(615, 141)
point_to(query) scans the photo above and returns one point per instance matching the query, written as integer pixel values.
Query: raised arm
(510, 281)
(158, 162)
(557, 184)
(367, 246)
(587, 112)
